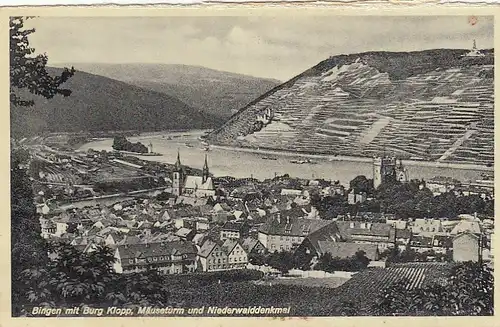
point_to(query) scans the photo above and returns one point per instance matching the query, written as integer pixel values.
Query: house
(421, 243)
(221, 207)
(288, 192)
(168, 257)
(426, 225)
(233, 230)
(283, 233)
(381, 234)
(402, 237)
(212, 256)
(48, 227)
(440, 184)
(397, 223)
(328, 239)
(252, 245)
(236, 254)
(192, 201)
(202, 224)
(185, 234)
(354, 198)
(466, 247)
(466, 226)
(442, 243)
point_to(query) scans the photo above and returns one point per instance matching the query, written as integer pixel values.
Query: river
(224, 161)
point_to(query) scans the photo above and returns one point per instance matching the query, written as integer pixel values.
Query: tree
(28, 248)
(467, 291)
(76, 278)
(283, 261)
(361, 184)
(28, 71)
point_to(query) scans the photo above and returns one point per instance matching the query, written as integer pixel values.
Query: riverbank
(414, 163)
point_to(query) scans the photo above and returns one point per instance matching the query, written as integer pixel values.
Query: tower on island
(387, 169)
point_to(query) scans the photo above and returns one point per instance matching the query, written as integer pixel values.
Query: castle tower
(177, 177)
(384, 169)
(205, 173)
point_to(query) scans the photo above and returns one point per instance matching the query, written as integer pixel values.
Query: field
(311, 300)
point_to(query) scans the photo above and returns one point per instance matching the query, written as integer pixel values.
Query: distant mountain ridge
(102, 104)
(433, 105)
(215, 92)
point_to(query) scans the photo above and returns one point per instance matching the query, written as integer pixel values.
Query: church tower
(177, 177)
(205, 173)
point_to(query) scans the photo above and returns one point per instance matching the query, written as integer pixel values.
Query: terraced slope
(432, 105)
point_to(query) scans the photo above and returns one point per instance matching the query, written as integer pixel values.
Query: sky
(264, 46)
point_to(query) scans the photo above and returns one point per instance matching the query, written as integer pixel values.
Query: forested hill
(212, 91)
(102, 104)
(432, 105)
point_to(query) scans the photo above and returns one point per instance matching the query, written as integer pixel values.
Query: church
(193, 186)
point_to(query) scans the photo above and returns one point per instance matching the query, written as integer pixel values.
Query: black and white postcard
(260, 162)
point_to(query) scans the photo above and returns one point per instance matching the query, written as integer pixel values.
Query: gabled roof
(292, 227)
(468, 234)
(196, 183)
(444, 241)
(183, 232)
(466, 226)
(207, 247)
(420, 240)
(229, 245)
(249, 243)
(142, 251)
(233, 226)
(365, 229)
(347, 249)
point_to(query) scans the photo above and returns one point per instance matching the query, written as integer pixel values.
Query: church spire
(178, 165)
(205, 170)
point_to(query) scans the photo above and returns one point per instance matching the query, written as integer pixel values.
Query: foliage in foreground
(468, 291)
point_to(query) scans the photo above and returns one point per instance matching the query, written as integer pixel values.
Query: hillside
(101, 104)
(212, 91)
(432, 105)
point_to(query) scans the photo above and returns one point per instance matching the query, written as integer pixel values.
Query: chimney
(287, 219)
(278, 216)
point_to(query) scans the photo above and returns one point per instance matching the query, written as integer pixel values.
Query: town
(179, 220)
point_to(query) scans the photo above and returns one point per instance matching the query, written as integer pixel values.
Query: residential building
(328, 239)
(233, 230)
(186, 234)
(466, 247)
(421, 243)
(175, 257)
(283, 233)
(466, 226)
(360, 232)
(426, 226)
(252, 245)
(237, 257)
(442, 243)
(354, 198)
(212, 256)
